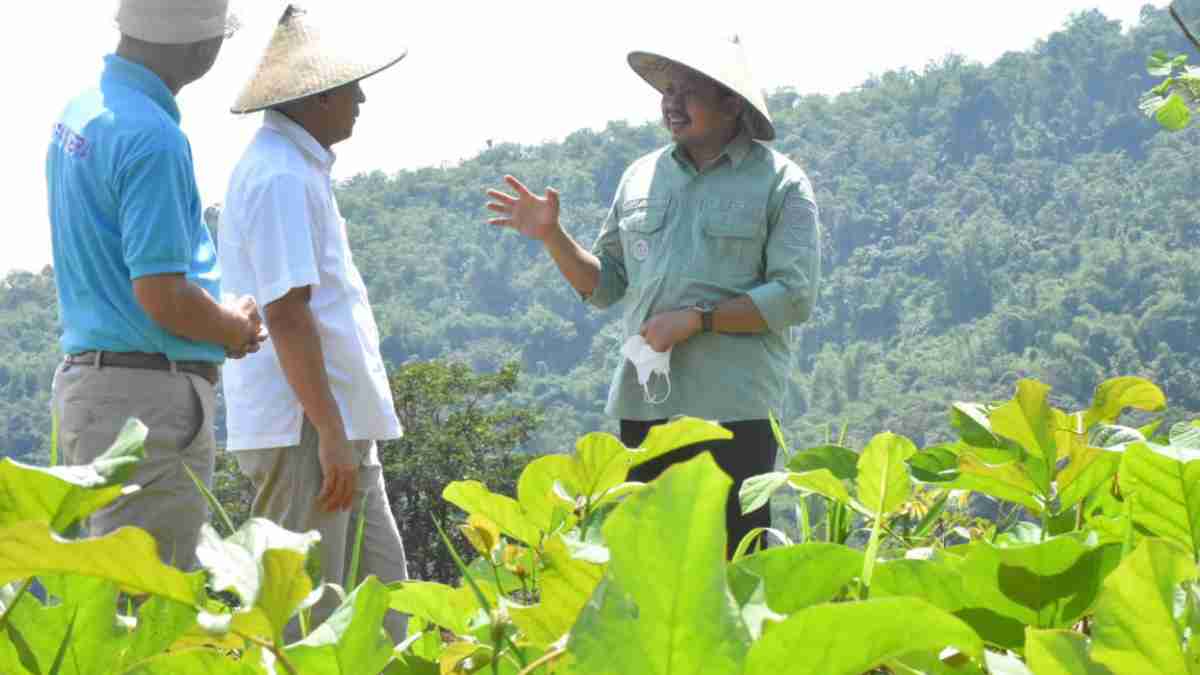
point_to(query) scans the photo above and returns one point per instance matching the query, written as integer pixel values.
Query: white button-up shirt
(281, 229)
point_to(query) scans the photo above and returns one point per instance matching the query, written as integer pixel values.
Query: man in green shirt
(713, 243)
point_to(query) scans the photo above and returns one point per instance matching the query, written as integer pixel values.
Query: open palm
(533, 216)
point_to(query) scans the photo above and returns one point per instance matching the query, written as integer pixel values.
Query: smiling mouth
(677, 121)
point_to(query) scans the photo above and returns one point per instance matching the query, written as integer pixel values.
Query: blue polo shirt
(124, 205)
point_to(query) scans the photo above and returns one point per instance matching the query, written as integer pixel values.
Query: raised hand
(533, 216)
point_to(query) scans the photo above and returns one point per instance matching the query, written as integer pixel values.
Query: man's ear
(734, 105)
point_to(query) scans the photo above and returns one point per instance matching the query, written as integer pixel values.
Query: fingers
(329, 488)
(502, 222)
(522, 191)
(552, 197)
(337, 489)
(501, 197)
(500, 208)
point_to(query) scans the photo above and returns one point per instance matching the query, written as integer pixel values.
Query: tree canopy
(982, 223)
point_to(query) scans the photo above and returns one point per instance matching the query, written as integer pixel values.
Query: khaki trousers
(287, 482)
(92, 405)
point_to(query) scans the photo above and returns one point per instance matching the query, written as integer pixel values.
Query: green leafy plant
(583, 572)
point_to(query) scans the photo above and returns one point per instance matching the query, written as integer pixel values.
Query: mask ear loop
(666, 396)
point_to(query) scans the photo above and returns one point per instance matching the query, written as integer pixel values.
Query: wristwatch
(706, 310)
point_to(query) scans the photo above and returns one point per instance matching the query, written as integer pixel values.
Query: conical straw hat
(723, 61)
(311, 53)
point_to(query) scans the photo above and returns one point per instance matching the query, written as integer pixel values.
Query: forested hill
(982, 224)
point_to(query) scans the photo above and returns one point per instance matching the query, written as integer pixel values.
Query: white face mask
(647, 362)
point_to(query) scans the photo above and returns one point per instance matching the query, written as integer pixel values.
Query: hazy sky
(523, 71)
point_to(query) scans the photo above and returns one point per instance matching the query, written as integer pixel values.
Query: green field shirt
(746, 225)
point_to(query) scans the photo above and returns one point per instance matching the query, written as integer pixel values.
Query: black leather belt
(144, 361)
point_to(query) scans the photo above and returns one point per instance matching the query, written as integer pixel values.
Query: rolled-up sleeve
(793, 259)
(282, 241)
(607, 248)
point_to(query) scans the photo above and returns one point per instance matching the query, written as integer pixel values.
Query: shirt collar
(142, 79)
(277, 121)
(736, 150)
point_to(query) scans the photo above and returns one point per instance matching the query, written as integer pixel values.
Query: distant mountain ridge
(982, 223)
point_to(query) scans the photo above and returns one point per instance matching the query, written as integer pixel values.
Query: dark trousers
(750, 452)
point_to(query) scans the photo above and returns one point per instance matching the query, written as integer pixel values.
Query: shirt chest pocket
(734, 245)
(643, 236)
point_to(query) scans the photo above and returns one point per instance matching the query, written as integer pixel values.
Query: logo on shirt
(72, 143)
(641, 250)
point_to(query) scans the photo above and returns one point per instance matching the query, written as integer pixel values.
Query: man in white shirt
(305, 412)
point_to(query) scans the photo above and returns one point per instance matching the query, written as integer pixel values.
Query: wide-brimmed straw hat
(178, 22)
(723, 61)
(313, 52)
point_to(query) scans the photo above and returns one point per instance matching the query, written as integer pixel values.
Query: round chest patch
(641, 250)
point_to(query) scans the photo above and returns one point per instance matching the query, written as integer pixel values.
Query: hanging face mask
(647, 362)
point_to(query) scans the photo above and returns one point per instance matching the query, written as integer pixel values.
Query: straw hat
(311, 53)
(724, 62)
(178, 22)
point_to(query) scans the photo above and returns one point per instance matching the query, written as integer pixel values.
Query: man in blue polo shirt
(138, 283)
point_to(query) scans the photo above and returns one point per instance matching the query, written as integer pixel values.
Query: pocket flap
(737, 224)
(643, 215)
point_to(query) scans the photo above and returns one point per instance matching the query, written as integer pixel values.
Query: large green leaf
(883, 480)
(937, 464)
(1028, 420)
(193, 662)
(974, 429)
(1174, 113)
(474, 498)
(127, 557)
(678, 433)
(1134, 621)
(565, 585)
(1010, 482)
(1166, 482)
(1089, 468)
(931, 663)
(1059, 652)
(851, 638)
(270, 569)
(446, 606)
(76, 634)
(800, 576)
(756, 491)
(938, 582)
(64, 494)
(1046, 585)
(351, 640)
(535, 489)
(666, 606)
(160, 623)
(841, 462)
(1115, 395)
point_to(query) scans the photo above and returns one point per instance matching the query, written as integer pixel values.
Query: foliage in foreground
(584, 573)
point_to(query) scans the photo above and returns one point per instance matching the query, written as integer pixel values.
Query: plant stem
(873, 544)
(542, 660)
(805, 526)
(16, 598)
(274, 649)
